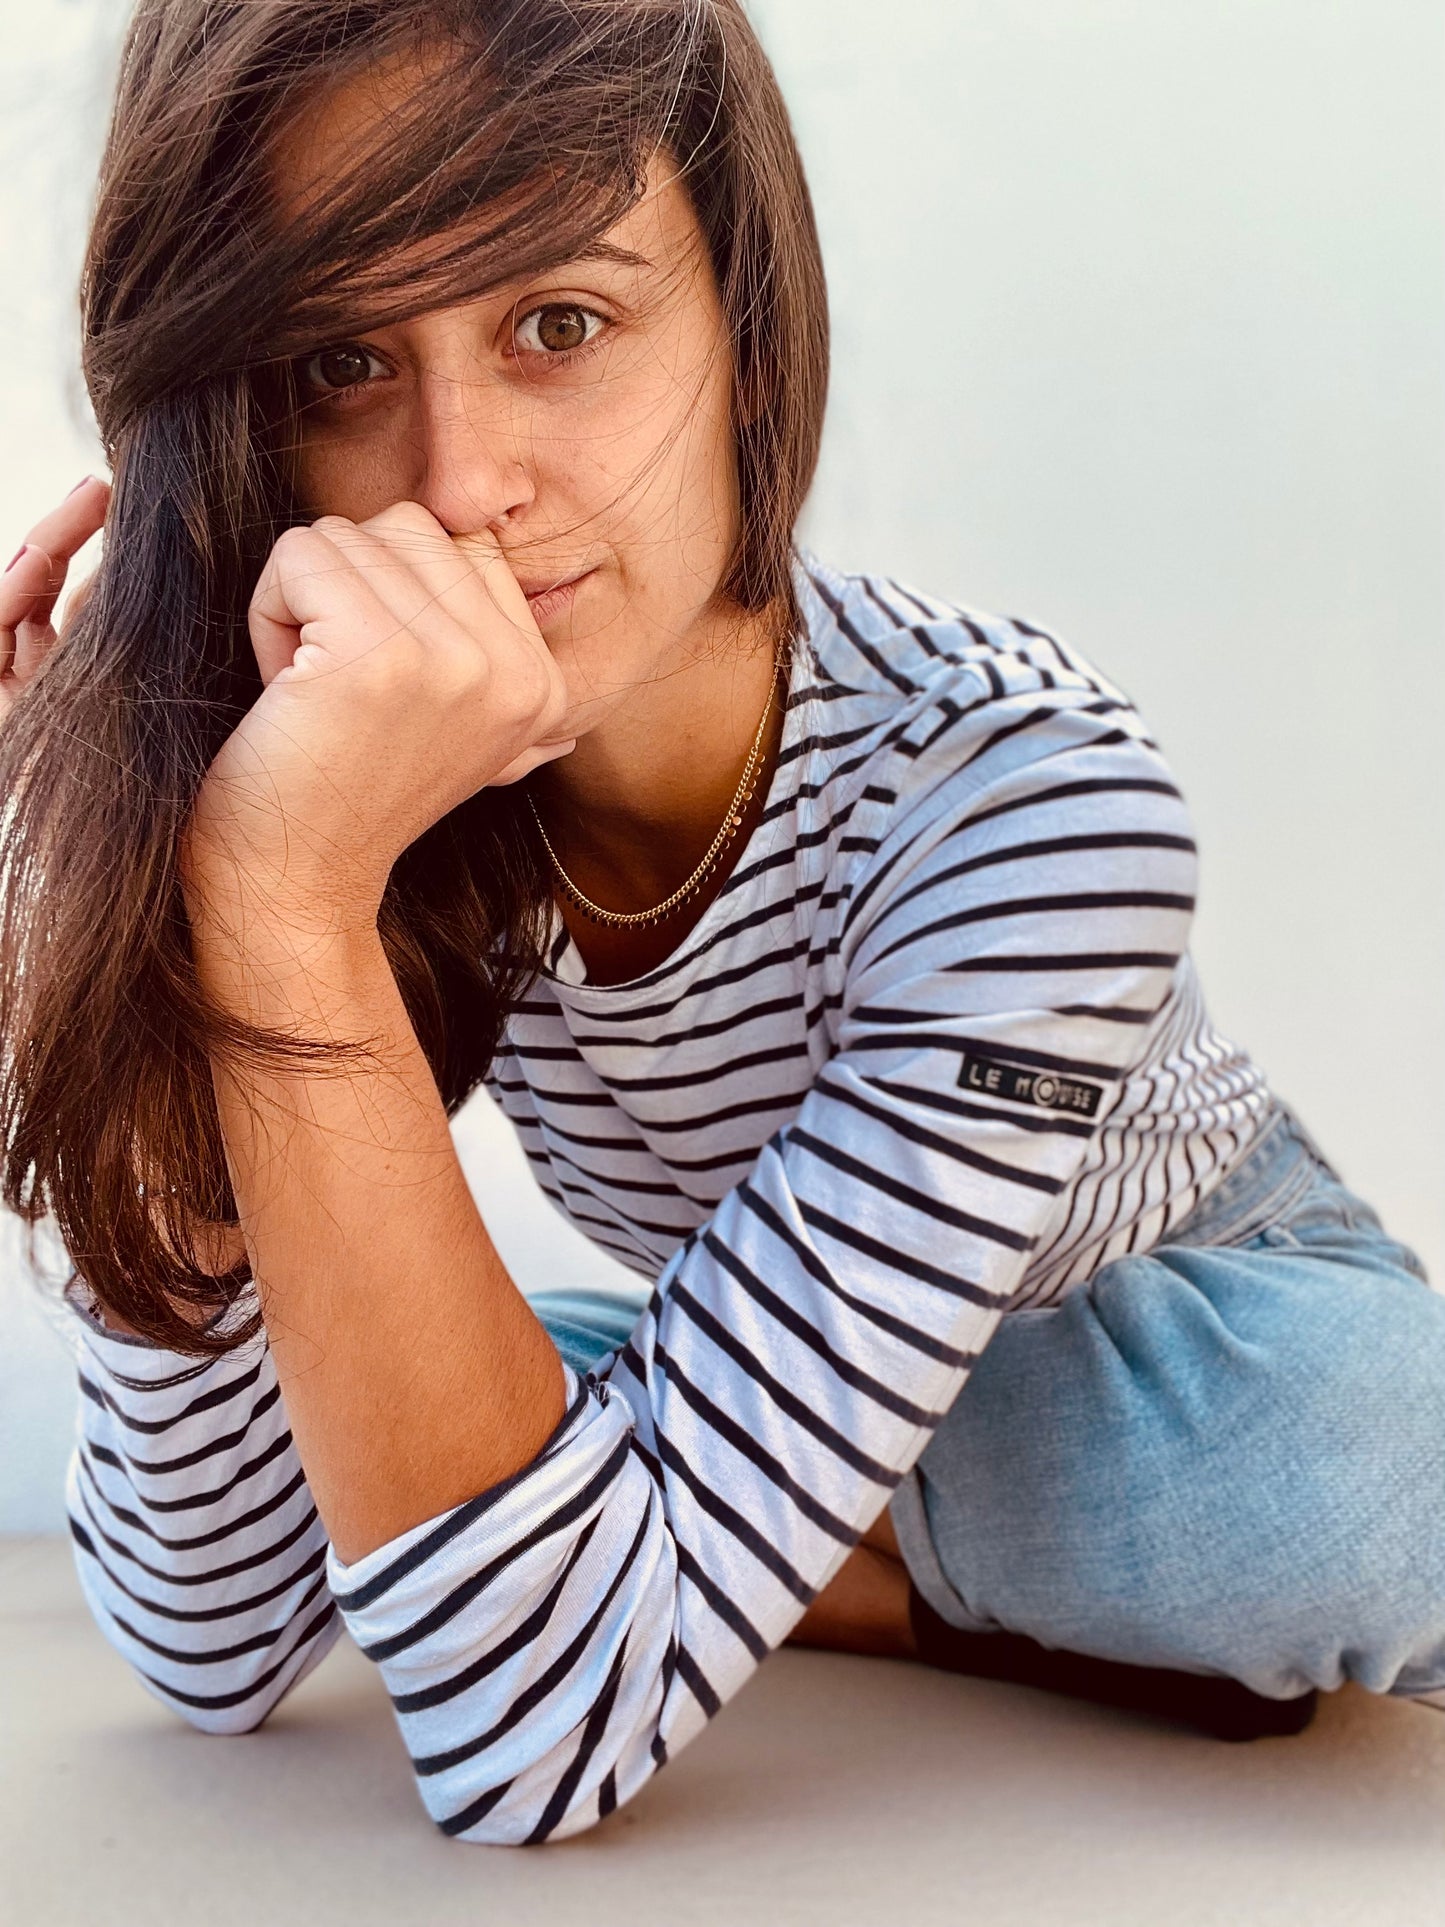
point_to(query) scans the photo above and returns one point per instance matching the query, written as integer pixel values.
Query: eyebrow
(609, 251)
(598, 250)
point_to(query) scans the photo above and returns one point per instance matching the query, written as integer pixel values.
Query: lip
(548, 598)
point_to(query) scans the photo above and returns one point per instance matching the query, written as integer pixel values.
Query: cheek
(605, 474)
(665, 461)
(355, 475)
(695, 491)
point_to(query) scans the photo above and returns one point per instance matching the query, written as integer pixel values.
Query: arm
(402, 1401)
(400, 674)
(197, 1546)
(550, 1639)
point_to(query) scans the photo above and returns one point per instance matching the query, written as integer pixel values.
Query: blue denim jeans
(1224, 1455)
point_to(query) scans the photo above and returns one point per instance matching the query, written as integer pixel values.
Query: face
(581, 416)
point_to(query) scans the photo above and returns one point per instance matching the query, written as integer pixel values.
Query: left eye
(560, 328)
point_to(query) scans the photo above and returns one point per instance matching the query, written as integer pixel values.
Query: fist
(402, 672)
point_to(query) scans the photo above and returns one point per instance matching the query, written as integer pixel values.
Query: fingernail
(16, 557)
(80, 485)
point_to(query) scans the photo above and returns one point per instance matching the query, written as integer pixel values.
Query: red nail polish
(16, 557)
(79, 485)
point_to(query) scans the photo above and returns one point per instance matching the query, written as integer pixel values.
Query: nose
(472, 475)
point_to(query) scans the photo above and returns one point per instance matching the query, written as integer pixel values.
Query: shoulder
(933, 707)
(1011, 828)
(877, 634)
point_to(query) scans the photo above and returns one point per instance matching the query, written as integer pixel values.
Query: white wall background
(1138, 316)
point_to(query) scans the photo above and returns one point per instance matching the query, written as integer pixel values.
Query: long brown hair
(532, 140)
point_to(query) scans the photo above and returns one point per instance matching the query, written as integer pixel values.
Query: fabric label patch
(1047, 1089)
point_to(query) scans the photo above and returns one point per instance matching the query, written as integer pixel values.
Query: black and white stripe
(197, 1542)
(971, 847)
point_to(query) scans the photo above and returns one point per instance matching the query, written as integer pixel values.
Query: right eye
(332, 371)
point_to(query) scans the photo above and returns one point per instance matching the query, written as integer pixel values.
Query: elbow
(224, 1715)
(549, 1801)
(506, 1827)
(531, 1811)
(223, 1723)
(245, 1697)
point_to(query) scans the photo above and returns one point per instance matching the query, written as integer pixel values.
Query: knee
(1285, 1497)
(1333, 1514)
(1222, 1460)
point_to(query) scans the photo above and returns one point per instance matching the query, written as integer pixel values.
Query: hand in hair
(402, 673)
(31, 585)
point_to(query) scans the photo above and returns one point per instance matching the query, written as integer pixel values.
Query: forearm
(414, 1373)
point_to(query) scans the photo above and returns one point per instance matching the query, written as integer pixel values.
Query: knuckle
(410, 517)
(523, 693)
(290, 545)
(400, 663)
(334, 527)
(465, 673)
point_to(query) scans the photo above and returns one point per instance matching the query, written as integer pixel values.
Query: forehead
(329, 133)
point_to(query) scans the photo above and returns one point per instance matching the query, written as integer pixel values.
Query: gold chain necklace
(732, 822)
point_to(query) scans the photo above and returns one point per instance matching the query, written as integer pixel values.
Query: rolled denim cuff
(910, 1522)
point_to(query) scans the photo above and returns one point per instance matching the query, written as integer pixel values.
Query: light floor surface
(831, 1791)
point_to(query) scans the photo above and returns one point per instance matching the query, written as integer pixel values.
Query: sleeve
(197, 1546)
(1009, 933)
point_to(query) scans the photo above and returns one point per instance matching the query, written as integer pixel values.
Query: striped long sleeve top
(935, 1052)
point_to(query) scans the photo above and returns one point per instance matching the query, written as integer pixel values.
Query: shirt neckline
(563, 967)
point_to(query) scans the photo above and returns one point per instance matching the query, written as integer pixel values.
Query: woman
(453, 702)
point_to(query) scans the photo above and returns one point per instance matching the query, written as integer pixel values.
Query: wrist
(277, 903)
(281, 956)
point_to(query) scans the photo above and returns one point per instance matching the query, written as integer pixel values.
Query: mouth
(547, 598)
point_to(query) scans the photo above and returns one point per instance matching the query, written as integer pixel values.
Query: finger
(34, 638)
(467, 574)
(57, 536)
(425, 574)
(310, 592)
(408, 567)
(531, 759)
(462, 589)
(23, 585)
(494, 572)
(70, 526)
(33, 643)
(64, 532)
